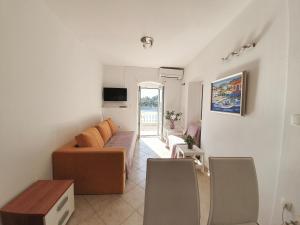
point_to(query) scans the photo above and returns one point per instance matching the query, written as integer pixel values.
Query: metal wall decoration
(239, 51)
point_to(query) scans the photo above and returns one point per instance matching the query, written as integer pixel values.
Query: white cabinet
(60, 213)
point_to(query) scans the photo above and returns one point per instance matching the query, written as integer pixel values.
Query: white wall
(289, 176)
(259, 132)
(193, 103)
(130, 77)
(50, 89)
(172, 94)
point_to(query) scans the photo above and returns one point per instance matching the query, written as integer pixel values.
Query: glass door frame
(160, 110)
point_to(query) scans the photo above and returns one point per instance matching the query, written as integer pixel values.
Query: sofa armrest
(94, 170)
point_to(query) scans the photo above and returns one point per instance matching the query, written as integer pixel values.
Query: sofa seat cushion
(104, 130)
(127, 140)
(90, 138)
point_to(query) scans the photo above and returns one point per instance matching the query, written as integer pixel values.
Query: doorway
(150, 110)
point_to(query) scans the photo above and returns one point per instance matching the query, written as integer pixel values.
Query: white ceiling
(113, 28)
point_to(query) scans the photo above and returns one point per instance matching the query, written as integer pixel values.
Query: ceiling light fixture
(147, 41)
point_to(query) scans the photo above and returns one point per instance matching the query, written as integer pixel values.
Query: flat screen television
(114, 94)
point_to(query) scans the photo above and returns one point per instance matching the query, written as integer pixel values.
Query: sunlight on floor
(157, 146)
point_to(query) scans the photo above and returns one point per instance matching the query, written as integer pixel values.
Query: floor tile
(142, 184)
(101, 202)
(83, 210)
(129, 185)
(116, 213)
(140, 209)
(140, 164)
(134, 219)
(143, 168)
(93, 220)
(140, 155)
(135, 197)
(137, 175)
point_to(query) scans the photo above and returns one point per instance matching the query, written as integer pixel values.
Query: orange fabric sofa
(97, 165)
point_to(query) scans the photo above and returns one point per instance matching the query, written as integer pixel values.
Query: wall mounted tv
(114, 94)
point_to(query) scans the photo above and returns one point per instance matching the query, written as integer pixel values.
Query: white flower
(173, 117)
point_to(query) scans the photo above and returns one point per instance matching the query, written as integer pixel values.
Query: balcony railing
(149, 117)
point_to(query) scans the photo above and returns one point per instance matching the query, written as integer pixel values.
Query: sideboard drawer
(62, 210)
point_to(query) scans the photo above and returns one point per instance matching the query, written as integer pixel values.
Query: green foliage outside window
(147, 102)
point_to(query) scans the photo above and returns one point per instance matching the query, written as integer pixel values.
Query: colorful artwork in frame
(228, 94)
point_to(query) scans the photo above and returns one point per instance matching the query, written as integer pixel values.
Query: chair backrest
(172, 194)
(233, 191)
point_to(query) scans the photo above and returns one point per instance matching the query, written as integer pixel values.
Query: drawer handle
(63, 202)
(63, 218)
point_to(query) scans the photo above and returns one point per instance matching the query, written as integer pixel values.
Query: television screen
(114, 94)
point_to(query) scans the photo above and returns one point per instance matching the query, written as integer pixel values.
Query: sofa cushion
(104, 130)
(126, 139)
(113, 126)
(90, 138)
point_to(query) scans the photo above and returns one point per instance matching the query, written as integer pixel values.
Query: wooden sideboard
(46, 202)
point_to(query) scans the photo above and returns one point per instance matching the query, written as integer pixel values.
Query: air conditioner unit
(170, 72)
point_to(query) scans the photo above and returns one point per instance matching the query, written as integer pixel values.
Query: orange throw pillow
(104, 130)
(113, 126)
(90, 138)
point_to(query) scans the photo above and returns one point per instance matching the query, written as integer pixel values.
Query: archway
(150, 109)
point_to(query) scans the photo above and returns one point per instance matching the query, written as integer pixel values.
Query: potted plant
(190, 141)
(172, 117)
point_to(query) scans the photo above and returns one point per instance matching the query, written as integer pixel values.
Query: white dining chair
(233, 191)
(171, 194)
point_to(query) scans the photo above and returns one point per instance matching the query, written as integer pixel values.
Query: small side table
(184, 152)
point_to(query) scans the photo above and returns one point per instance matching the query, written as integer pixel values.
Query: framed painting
(228, 95)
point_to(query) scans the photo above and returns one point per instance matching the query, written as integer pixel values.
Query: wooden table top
(38, 198)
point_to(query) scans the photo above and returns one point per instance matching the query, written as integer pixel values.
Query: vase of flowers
(190, 141)
(172, 117)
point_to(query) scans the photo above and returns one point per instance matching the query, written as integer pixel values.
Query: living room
(57, 56)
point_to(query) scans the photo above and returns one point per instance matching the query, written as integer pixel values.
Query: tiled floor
(149, 129)
(128, 208)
